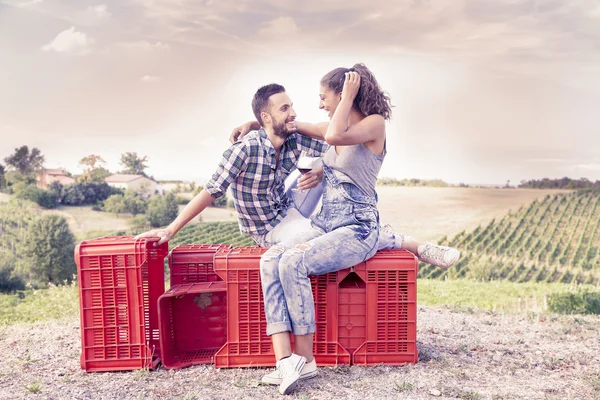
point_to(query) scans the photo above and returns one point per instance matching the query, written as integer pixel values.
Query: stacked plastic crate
(120, 281)
(213, 311)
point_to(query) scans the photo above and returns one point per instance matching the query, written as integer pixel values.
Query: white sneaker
(274, 378)
(440, 256)
(290, 369)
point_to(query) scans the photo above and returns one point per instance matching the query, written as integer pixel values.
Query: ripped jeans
(344, 233)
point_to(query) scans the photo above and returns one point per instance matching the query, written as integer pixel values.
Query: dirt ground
(479, 355)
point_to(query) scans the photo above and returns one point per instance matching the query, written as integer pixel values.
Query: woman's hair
(370, 98)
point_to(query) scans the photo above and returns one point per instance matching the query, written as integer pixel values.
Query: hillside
(555, 239)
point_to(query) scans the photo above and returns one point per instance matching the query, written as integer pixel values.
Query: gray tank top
(358, 163)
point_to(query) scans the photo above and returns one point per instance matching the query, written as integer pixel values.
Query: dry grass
(463, 356)
(430, 213)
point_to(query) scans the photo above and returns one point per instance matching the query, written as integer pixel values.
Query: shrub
(182, 200)
(134, 203)
(162, 210)
(48, 248)
(45, 198)
(8, 280)
(115, 204)
(582, 301)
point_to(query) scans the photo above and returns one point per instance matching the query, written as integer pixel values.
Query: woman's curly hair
(370, 98)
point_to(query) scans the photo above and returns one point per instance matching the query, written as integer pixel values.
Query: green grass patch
(38, 305)
(493, 295)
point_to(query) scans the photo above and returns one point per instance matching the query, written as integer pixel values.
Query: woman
(345, 232)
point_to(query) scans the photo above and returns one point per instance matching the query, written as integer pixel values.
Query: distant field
(554, 239)
(430, 213)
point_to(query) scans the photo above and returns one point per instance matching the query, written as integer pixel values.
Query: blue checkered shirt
(257, 182)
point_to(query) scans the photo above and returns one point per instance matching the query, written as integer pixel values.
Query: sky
(485, 91)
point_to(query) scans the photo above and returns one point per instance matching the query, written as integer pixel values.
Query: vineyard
(556, 239)
(212, 233)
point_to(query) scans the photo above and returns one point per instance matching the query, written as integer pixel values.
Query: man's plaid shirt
(257, 183)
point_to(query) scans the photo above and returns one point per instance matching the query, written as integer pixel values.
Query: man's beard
(281, 130)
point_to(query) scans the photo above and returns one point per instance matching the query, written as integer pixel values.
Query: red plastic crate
(247, 341)
(120, 281)
(193, 263)
(193, 323)
(390, 320)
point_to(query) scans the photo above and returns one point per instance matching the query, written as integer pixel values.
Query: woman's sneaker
(440, 256)
(274, 378)
(290, 368)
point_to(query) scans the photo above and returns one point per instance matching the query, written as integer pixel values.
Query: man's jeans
(344, 233)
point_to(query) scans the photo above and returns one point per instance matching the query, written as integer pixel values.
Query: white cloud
(26, 3)
(70, 41)
(279, 27)
(546, 160)
(100, 11)
(587, 167)
(149, 78)
(145, 45)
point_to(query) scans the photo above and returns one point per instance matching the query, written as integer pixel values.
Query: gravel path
(463, 355)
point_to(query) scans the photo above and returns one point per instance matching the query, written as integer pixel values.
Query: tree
(94, 170)
(162, 210)
(115, 204)
(25, 161)
(48, 248)
(2, 177)
(134, 203)
(133, 164)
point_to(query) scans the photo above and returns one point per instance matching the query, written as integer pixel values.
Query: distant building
(138, 183)
(46, 176)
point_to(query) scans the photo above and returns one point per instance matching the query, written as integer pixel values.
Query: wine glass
(304, 165)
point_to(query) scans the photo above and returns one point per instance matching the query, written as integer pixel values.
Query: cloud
(281, 26)
(587, 167)
(546, 160)
(149, 79)
(26, 3)
(100, 11)
(70, 41)
(144, 45)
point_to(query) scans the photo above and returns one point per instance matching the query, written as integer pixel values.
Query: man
(256, 168)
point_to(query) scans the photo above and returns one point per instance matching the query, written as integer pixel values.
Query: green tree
(115, 204)
(9, 281)
(94, 169)
(25, 161)
(2, 177)
(134, 203)
(48, 248)
(162, 210)
(132, 164)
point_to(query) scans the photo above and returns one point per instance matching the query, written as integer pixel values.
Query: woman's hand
(163, 234)
(351, 86)
(241, 131)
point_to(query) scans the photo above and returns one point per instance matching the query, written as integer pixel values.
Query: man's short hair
(260, 102)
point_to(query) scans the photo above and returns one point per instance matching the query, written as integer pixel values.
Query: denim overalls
(345, 233)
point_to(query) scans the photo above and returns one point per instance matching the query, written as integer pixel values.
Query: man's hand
(310, 179)
(241, 131)
(163, 234)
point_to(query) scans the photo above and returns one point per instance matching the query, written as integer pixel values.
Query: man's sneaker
(274, 378)
(290, 368)
(440, 256)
